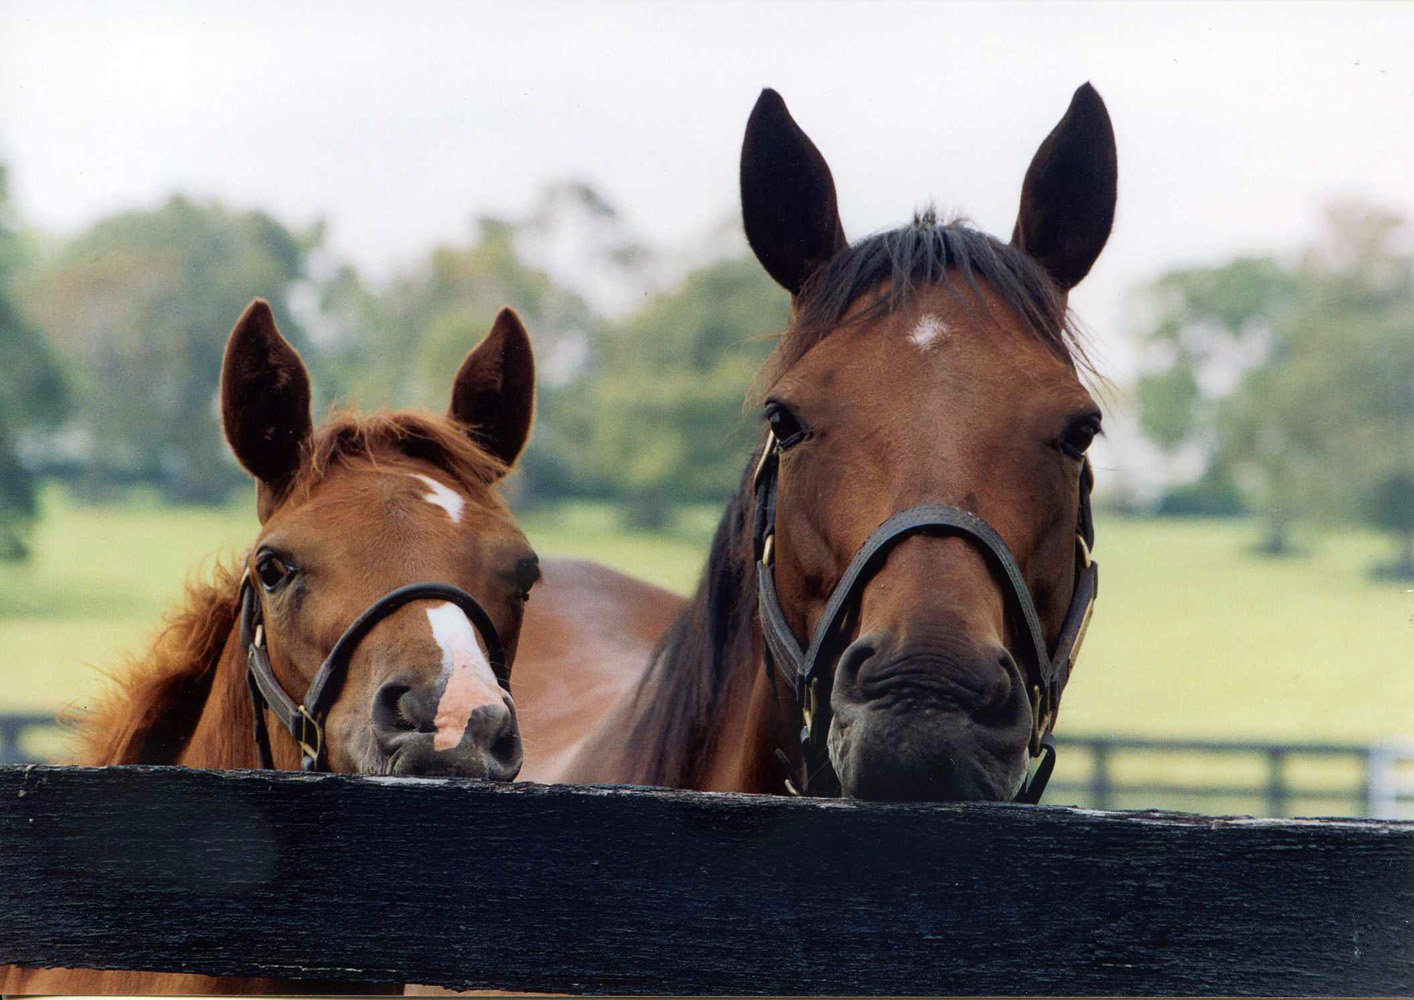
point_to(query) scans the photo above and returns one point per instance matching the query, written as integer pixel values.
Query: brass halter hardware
(1037, 727)
(311, 748)
(768, 455)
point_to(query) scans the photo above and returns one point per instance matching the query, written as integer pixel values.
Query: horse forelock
(347, 438)
(890, 267)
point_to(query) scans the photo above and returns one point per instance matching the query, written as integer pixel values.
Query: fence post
(1382, 782)
(1100, 784)
(1276, 781)
(1371, 792)
(10, 740)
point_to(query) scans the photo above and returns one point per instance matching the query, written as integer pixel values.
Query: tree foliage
(33, 395)
(668, 383)
(1297, 379)
(645, 408)
(401, 344)
(140, 305)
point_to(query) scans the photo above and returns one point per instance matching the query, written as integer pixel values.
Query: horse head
(376, 677)
(928, 368)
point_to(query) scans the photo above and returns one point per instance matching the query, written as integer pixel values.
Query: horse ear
(494, 391)
(1068, 197)
(788, 202)
(264, 403)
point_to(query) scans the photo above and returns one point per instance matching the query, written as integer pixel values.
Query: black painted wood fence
(610, 890)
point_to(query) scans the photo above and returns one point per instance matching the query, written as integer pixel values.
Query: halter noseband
(802, 666)
(305, 720)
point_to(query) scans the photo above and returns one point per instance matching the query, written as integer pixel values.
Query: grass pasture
(1192, 636)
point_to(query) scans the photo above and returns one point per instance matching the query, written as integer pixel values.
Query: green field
(1193, 635)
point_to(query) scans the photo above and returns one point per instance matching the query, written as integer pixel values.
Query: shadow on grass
(1399, 572)
(52, 602)
(1287, 550)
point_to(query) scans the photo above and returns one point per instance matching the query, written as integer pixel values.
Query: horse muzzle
(405, 726)
(923, 726)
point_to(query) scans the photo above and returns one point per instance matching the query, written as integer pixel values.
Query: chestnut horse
(919, 507)
(350, 513)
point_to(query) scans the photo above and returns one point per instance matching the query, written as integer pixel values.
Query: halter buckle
(258, 640)
(766, 453)
(308, 724)
(1079, 638)
(1038, 725)
(1085, 559)
(768, 549)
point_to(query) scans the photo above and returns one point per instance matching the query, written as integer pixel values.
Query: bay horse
(354, 516)
(905, 566)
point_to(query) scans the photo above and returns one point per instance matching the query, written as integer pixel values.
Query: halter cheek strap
(305, 720)
(803, 667)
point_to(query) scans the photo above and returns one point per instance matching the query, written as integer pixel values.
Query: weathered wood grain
(607, 890)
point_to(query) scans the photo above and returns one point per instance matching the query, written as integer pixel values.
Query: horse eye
(527, 574)
(271, 571)
(1078, 435)
(787, 427)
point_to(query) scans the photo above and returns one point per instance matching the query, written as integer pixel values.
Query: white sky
(400, 121)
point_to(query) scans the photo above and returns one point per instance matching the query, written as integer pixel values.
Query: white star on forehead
(443, 496)
(928, 329)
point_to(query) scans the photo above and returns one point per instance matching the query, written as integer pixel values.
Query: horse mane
(715, 637)
(161, 693)
(692, 666)
(153, 712)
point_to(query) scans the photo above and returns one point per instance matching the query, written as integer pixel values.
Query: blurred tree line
(114, 337)
(1294, 379)
(33, 393)
(135, 306)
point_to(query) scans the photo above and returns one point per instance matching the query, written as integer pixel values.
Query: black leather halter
(803, 668)
(305, 720)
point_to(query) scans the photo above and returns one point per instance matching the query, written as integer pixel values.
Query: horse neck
(741, 753)
(707, 715)
(223, 737)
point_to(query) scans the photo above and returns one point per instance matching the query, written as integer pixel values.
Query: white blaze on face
(471, 683)
(927, 331)
(443, 496)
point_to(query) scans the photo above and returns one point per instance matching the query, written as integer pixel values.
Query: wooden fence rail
(610, 890)
(1097, 771)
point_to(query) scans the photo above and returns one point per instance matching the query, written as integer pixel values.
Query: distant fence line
(13, 727)
(1382, 785)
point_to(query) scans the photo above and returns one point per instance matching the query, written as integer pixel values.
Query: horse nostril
(506, 746)
(493, 729)
(853, 658)
(503, 752)
(399, 708)
(385, 707)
